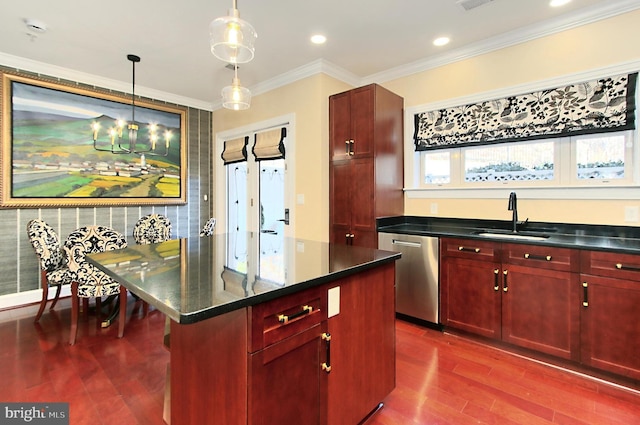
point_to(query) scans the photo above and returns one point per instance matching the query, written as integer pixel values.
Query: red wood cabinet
(521, 294)
(366, 163)
(264, 364)
(610, 300)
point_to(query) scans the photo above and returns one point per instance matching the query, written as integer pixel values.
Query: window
(600, 159)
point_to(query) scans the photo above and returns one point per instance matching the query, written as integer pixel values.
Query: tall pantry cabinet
(366, 165)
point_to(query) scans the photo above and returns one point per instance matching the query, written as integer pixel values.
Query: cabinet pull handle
(496, 280)
(464, 248)
(283, 318)
(351, 143)
(585, 294)
(346, 147)
(620, 266)
(326, 366)
(505, 285)
(537, 257)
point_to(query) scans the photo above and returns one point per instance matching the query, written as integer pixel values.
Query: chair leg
(123, 311)
(145, 308)
(75, 306)
(85, 307)
(45, 295)
(55, 298)
(99, 311)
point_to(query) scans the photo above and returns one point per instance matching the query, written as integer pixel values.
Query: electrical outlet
(631, 214)
(434, 208)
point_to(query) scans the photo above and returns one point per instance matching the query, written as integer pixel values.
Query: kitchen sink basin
(498, 234)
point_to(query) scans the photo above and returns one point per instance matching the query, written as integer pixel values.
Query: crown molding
(587, 16)
(20, 63)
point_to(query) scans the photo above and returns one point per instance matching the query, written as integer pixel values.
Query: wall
(308, 100)
(606, 43)
(20, 273)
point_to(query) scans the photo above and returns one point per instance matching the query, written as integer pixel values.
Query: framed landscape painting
(67, 146)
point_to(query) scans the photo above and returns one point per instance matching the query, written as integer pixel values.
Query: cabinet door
(340, 193)
(362, 195)
(363, 121)
(540, 310)
(340, 125)
(470, 295)
(285, 381)
(610, 326)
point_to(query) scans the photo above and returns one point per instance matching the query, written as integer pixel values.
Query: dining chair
(53, 267)
(152, 228)
(89, 281)
(209, 226)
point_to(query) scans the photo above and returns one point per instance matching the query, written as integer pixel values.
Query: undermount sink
(505, 235)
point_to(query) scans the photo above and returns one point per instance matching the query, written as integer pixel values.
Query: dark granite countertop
(624, 239)
(190, 280)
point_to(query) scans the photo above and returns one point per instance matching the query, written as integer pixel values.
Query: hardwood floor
(441, 378)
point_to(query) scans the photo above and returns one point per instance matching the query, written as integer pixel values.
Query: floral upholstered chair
(208, 228)
(53, 267)
(89, 281)
(152, 228)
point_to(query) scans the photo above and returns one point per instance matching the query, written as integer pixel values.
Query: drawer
(470, 248)
(544, 257)
(275, 320)
(611, 264)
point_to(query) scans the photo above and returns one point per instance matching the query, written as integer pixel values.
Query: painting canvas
(50, 157)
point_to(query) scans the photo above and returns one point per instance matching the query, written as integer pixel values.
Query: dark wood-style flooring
(441, 378)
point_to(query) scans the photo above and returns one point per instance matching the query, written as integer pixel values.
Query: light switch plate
(333, 301)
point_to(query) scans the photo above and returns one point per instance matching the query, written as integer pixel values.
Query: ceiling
(367, 40)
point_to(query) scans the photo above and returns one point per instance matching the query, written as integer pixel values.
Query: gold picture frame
(53, 157)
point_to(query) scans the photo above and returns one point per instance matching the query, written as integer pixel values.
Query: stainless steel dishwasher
(417, 293)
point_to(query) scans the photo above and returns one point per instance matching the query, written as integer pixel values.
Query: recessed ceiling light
(318, 39)
(441, 41)
(558, 3)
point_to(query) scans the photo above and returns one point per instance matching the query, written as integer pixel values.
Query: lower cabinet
(521, 294)
(610, 303)
(285, 379)
(288, 361)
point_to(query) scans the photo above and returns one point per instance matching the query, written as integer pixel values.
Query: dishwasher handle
(406, 243)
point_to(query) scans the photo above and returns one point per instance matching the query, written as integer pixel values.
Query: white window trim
(610, 192)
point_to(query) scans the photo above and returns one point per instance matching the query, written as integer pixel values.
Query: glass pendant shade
(232, 39)
(235, 96)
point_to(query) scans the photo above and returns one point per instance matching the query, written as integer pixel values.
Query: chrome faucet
(513, 206)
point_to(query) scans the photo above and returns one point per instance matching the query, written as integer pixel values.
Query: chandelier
(120, 142)
(232, 40)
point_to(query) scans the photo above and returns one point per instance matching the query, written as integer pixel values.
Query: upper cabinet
(366, 162)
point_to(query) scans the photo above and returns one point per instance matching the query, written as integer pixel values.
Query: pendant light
(235, 96)
(232, 39)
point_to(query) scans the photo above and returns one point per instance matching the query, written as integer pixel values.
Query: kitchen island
(300, 334)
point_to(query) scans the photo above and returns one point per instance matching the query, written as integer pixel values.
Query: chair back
(46, 244)
(90, 240)
(208, 228)
(152, 228)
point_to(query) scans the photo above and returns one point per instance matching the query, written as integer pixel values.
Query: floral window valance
(605, 104)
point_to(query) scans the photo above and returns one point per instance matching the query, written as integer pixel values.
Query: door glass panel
(272, 216)
(237, 216)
